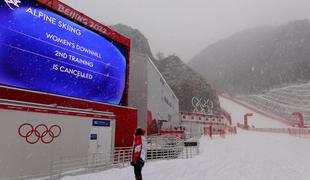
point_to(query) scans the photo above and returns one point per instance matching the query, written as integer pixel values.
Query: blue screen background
(27, 57)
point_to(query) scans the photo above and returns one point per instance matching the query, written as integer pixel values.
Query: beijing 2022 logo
(11, 3)
(41, 132)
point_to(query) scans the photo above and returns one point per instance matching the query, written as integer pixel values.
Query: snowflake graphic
(12, 2)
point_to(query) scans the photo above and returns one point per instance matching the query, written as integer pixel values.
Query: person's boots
(138, 177)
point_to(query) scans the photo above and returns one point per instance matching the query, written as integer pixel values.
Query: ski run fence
(299, 132)
(159, 147)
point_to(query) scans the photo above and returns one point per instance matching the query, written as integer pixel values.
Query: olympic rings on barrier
(41, 131)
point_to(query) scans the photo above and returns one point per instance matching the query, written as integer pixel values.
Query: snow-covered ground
(258, 120)
(245, 156)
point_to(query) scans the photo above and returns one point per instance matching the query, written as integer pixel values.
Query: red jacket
(139, 148)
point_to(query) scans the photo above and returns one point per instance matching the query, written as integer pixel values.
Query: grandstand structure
(284, 101)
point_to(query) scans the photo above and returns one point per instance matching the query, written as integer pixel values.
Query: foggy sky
(185, 27)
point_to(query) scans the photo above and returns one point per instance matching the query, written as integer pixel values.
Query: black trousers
(138, 169)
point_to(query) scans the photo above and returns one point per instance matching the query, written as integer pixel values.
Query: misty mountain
(257, 59)
(184, 81)
(139, 43)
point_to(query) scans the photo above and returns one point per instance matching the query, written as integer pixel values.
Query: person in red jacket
(138, 152)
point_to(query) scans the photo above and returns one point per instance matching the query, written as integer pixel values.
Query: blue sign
(43, 51)
(93, 136)
(99, 122)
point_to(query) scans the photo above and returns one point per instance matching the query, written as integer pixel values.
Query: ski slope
(283, 101)
(259, 121)
(245, 156)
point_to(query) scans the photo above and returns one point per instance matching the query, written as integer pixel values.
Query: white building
(150, 93)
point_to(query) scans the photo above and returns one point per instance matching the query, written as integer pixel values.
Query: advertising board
(42, 51)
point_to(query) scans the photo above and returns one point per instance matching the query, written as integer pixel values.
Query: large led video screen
(43, 51)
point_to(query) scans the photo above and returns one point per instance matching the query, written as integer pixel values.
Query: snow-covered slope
(283, 101)
(245, 156)
(258, 120)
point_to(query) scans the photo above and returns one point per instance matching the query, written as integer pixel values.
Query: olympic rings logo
(41, 132)
(201, 105)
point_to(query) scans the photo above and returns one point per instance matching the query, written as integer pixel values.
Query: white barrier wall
(32, 138)
(137, 91)
(162, 101)
(195, 123)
